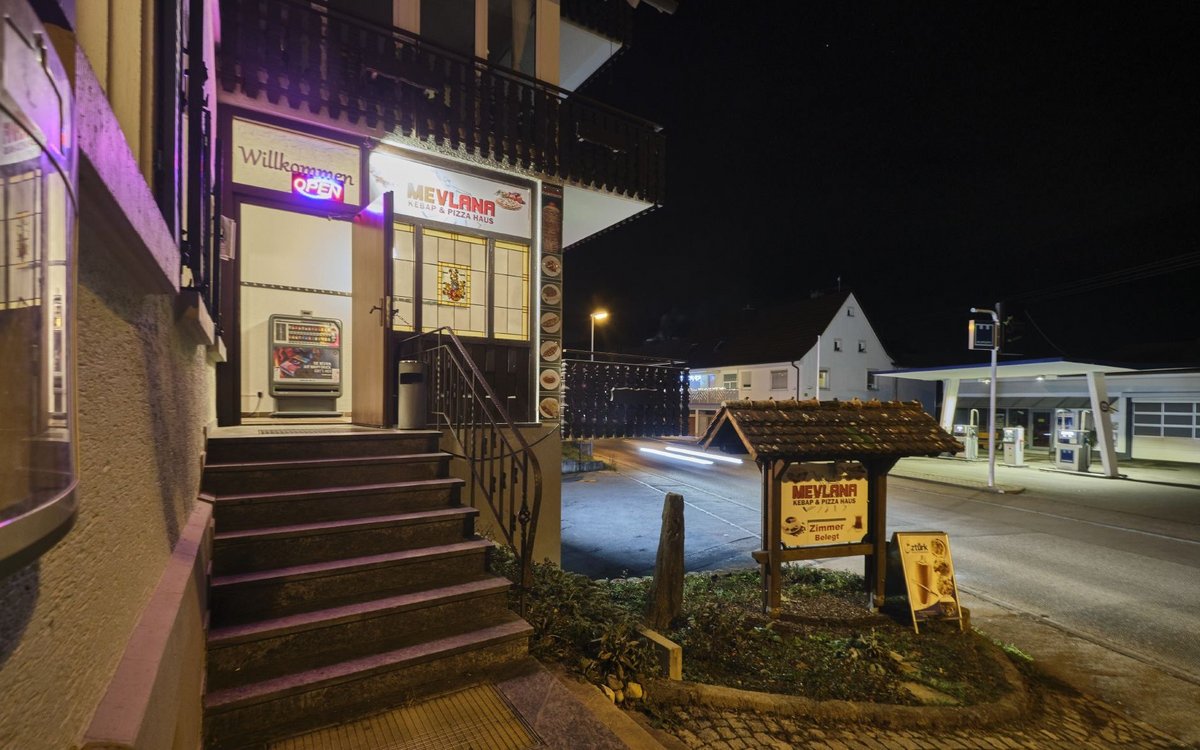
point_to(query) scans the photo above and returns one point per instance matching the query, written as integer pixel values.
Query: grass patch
(826, 644)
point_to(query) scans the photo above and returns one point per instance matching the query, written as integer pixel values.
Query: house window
(849, 312)
(745, 378)
(862, 347)
(837, 345)
(510, 311)
(823, 379)
(872, 381)
(512, 34)
(779, 380)
(729, 380)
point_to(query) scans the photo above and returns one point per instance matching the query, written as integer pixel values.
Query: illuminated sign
(824, 504)
(318, 188)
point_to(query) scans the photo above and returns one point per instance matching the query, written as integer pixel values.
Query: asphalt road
(1115, 562)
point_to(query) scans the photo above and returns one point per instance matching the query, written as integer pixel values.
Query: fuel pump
(1014, 446)
(968, 435)
(1072, 439)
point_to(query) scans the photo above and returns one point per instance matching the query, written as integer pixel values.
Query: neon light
(726, 459)
(677, 457)
(318, 188)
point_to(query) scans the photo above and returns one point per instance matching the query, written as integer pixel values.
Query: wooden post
(666, 590)
(876, 565)
(773, 479)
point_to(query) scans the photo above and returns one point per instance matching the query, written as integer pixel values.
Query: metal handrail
(478, 421)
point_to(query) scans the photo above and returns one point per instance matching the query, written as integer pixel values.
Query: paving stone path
(1060, 720)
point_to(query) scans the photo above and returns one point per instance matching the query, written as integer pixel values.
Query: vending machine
(1014, 446)
(1072, 439)
(306, 365)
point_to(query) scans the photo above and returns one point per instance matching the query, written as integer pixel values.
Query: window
(512, 34)
(510, 313)
(729, 380)
(449, 23)
(837, 345)
(849, 312)
(745, 378)
(779, 380)
(1171, 419)
(872, 381)
(404, 261)
(862, 347)
(454, 287)
(823, 379)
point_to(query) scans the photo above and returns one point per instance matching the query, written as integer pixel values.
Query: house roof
(828, 430)
(780, 334)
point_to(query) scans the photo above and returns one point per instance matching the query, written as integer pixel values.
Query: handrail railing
(499, 465)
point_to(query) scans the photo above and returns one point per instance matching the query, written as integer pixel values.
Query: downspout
(796, 367)
(817, 382)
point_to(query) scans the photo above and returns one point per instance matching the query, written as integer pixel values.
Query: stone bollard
(666, 590)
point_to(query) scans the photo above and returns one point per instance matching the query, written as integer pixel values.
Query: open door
(373, 379)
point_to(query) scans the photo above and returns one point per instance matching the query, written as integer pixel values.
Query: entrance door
(373, 379)
(1041, 429)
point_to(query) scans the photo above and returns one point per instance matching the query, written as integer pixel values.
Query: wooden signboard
(824, 503)
(928, 576)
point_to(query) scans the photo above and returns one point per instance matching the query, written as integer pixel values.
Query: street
(1114, 562)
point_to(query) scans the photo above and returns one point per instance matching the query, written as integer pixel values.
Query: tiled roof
(829, 429)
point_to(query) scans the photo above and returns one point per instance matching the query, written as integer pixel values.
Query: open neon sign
(318, 188)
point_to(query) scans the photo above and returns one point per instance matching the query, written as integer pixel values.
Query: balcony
(314, 59)
(712, 396)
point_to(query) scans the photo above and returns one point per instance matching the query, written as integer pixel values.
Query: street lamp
(995, 314)
(598, 315)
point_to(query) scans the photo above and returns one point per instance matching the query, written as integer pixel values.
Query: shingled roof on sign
(828, 430)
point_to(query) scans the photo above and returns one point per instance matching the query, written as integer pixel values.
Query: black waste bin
(411, 397)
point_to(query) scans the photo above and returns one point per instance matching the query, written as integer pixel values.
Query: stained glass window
(511, 307)
(453, 282)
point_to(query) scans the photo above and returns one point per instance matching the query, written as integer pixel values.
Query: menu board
(306, 354)
(928, 576)
(823, 503)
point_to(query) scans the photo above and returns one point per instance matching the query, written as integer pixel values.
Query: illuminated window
(510, 310)
(823, 378)
(453, 282)
(404, 261)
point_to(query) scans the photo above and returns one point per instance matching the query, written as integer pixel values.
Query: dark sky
(933, 155)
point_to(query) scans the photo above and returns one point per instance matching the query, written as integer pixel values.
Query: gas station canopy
(1029, 368)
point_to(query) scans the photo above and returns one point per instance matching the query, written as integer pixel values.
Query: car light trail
(724, 459)
(677, 457)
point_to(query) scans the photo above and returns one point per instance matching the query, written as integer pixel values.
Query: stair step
(270, 648)
(243, 597)
(263, 476)
(323, 444)
(248, 510)
(245, 550)
(286, 705)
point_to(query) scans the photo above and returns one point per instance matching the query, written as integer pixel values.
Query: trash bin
(411, 398)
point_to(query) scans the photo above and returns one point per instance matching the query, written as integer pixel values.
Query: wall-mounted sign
(981, 335)
(269, 157)
(928, 576)
(424, 191)
(319, 188)
(824, 503)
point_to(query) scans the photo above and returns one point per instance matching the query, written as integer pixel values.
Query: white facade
(842, 364)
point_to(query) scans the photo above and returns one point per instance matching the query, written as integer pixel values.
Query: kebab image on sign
(823, 503)
(928, 576)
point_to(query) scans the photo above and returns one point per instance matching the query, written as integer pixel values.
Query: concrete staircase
(346, 579)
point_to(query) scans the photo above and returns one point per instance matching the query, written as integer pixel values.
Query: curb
(970, 484)
(1010, 707)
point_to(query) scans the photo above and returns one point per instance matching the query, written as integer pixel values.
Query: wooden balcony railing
(316, 59)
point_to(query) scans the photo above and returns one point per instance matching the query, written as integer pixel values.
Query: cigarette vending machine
(1072, 439)
(306, 365)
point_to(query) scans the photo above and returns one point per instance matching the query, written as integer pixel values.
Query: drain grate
(477, 718)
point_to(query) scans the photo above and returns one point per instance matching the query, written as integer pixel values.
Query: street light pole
(992, 393)
(598, 315)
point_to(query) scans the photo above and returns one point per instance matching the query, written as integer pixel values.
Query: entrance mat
(477, 718)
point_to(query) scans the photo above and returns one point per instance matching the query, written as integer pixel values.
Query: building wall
(143, 398)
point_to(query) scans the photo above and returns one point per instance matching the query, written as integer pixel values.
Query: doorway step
(346, 579)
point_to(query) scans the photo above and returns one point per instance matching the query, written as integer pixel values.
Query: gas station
(1070, 411)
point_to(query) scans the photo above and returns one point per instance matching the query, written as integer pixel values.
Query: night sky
(934, 156)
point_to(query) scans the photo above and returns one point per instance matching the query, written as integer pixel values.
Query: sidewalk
(1015, 479)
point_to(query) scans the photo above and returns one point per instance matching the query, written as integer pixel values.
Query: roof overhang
(1029, 369)
(587, 212)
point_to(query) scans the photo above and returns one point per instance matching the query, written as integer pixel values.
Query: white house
(823, 347)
